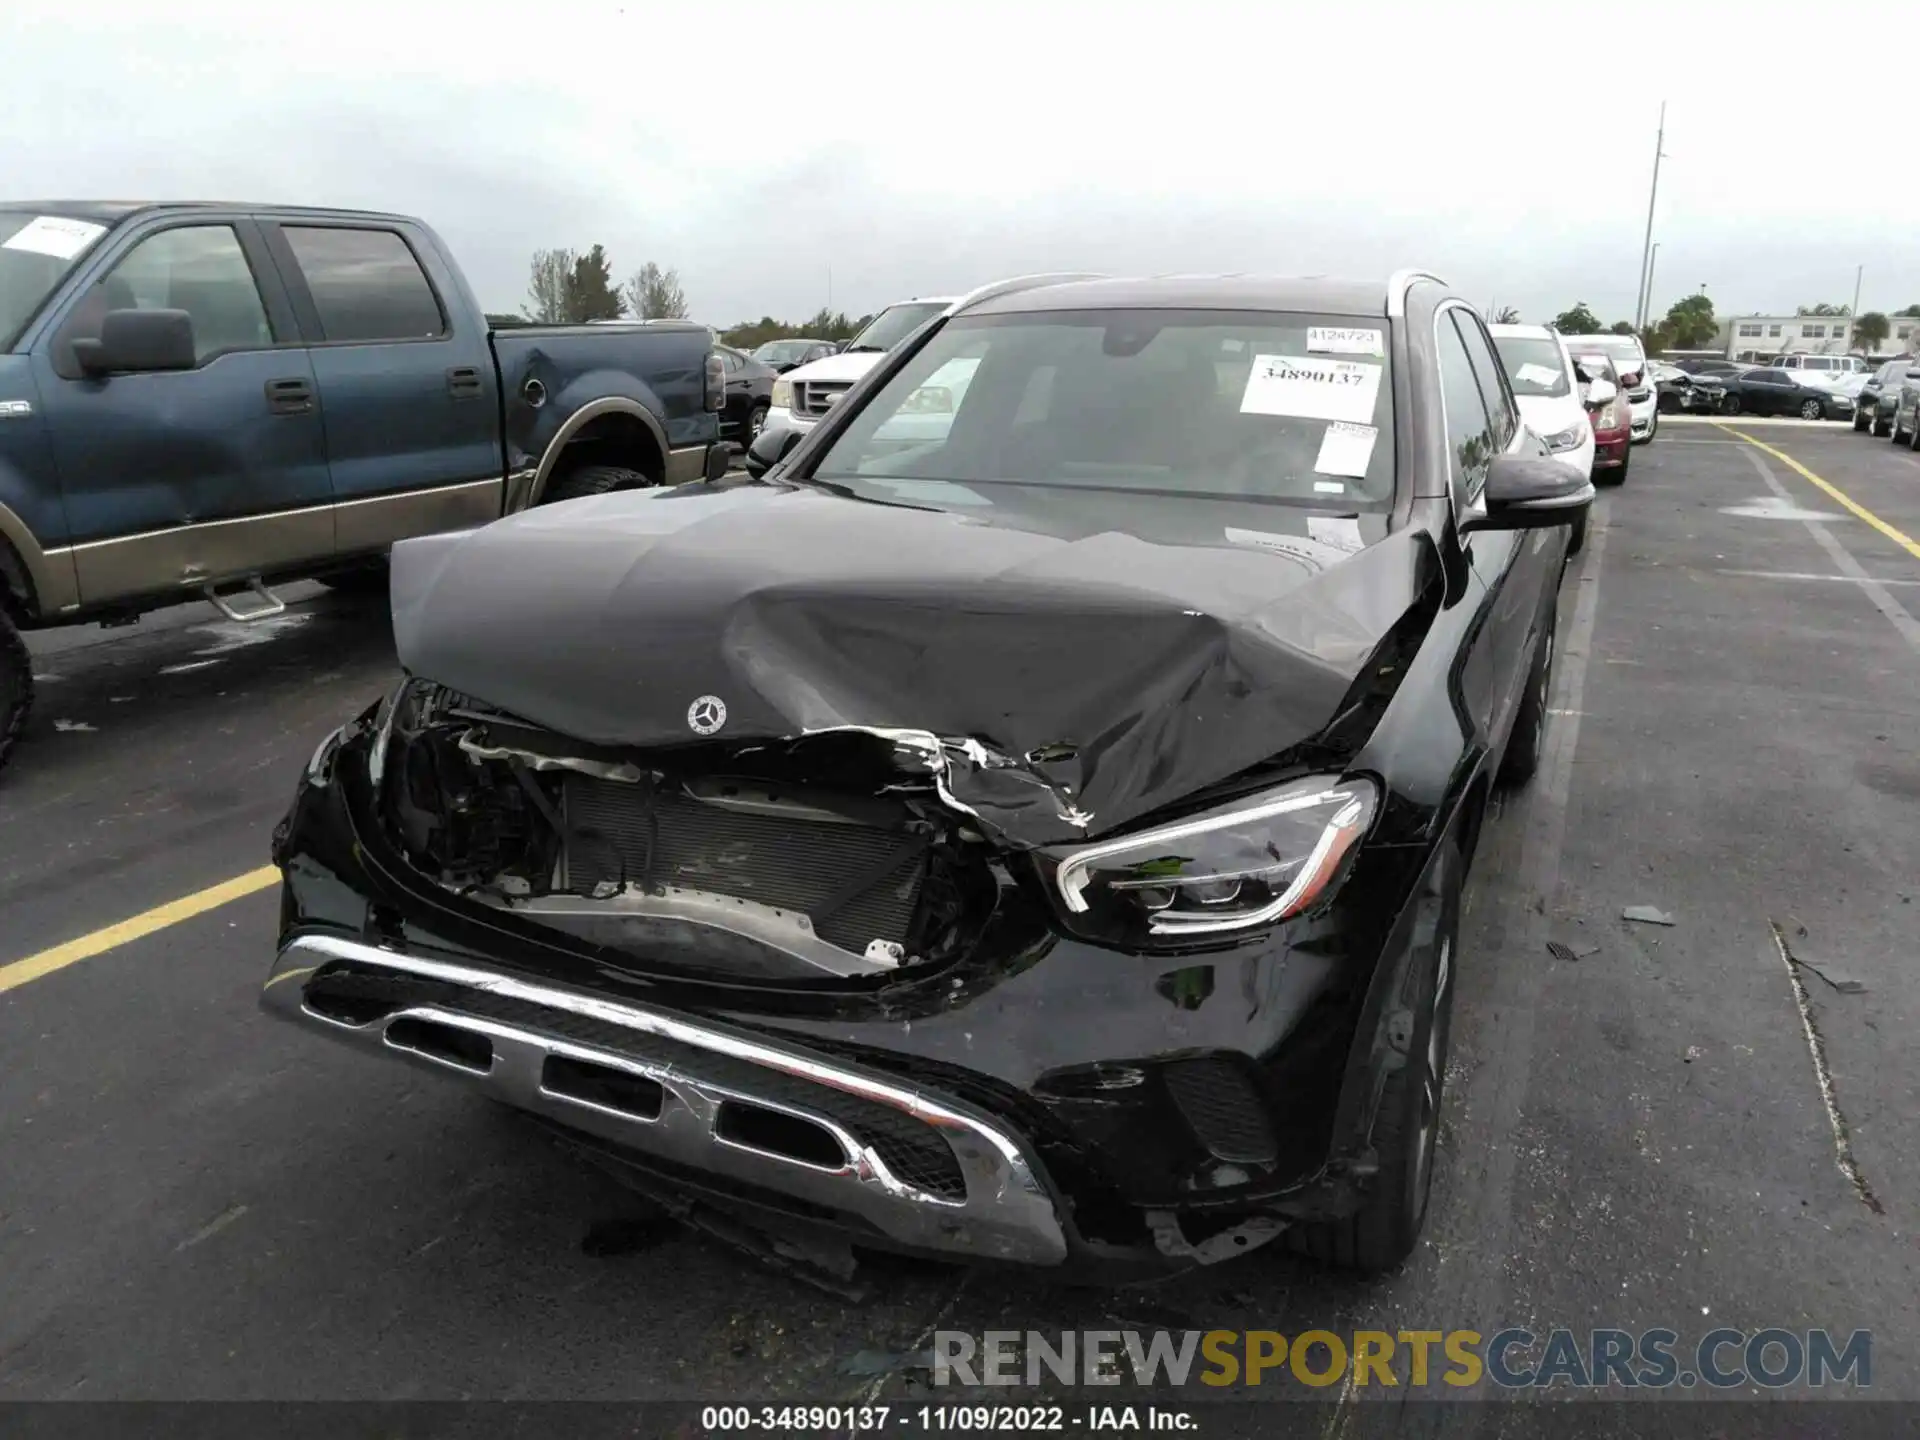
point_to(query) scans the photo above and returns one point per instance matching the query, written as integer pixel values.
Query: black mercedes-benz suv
(1024, 820)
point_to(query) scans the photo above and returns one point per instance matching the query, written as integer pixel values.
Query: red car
(1612, 420)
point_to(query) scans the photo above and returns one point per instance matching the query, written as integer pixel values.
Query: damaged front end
(835, 855)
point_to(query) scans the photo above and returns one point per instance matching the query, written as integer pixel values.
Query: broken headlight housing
(1247, 865)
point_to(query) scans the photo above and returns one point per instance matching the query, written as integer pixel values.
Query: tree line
(1690, 323)
(576, 287)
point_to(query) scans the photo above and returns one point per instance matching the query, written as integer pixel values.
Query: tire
(1812, 410)
(1730, 405)
(1383, 1232)
(1860, 421)
(1669, 403)
(584, 480)
(16, 686)
(366, 580)
(756, 421)
(1879, 427)
(1529, 739)
(1913, 436)
(1893, 429)
(1577, 541)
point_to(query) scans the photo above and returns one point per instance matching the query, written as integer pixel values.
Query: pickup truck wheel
(16, 686)
(596, 480)
(1406, 1131)
(362, 580)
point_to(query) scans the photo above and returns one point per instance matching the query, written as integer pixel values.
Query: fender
(552, 435)
(53, 583)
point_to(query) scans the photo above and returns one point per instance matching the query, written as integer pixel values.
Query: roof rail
(1399, 283)
(1017, 283)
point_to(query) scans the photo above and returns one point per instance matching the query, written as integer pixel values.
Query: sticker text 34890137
(1309, 388)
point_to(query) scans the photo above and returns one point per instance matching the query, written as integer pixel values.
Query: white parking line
(1843, 561)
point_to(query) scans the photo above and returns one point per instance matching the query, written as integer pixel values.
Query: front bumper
(1610, 449)
(1113, 1112)
(780, 420)
(1645, 413)
(928, 1174)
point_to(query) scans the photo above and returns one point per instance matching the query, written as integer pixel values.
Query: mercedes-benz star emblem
(706, 715)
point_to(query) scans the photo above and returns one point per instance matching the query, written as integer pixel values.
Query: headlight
(1250, 864)
(1570, 438)
(783, 394)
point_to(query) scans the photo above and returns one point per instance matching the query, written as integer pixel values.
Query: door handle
(289, 397)
(463, 382)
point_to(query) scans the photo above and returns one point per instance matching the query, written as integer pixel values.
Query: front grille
(915, 1152)
(856, 883)
(816, 397)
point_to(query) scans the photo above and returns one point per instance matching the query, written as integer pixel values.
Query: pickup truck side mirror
(138, 340)
(1529, 492)
(769, 449)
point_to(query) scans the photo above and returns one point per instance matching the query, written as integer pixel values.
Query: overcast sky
(917, 148)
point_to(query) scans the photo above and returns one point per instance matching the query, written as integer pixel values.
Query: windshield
(1287, 408)
(36, 252)
(781, 352)
(1624, 349)
(896, 323)
(1533, 364)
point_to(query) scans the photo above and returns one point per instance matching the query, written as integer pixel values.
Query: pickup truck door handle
(463, 382)
(290, 397)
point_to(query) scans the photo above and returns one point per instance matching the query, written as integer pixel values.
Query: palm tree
(1870, 329)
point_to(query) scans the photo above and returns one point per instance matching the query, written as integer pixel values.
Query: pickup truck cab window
(200, 269)
(366, 285)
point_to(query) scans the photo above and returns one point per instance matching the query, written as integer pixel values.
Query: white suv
(1636, 380)
(803, 395)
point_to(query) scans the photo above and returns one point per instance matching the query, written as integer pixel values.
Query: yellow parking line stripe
(159, 918)
(1900, 538)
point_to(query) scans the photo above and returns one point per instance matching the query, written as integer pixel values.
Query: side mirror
(1600, 392)
(769, 449)
(1530, 492)
(138, 340)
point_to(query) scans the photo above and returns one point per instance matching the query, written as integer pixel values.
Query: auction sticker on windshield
(1345, 450)
(1330, 340)
(54, 235)
(1537, 374)
(1311, 389)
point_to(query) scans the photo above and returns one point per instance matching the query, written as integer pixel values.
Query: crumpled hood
(1080, 674)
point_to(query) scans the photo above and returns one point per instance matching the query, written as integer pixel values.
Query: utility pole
(1646, 245)
(1854, 315)
(1646, 299)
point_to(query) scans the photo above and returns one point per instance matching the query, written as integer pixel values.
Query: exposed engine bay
(831, 855)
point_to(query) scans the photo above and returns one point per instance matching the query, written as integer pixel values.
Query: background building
(1764, 337)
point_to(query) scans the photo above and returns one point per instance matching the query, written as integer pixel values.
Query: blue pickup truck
(207, 399)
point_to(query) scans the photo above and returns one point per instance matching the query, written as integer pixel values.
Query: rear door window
(366, 284)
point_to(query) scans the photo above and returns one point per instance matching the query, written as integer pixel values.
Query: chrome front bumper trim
(1007, 1213)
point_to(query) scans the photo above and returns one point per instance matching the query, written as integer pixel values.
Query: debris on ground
(1694, 1052)
(1647, 915)
(1560, 950)
(885, 1362)
(73, 726)
(1840, 980)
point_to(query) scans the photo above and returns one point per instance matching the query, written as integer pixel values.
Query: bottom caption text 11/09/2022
(939, 1419)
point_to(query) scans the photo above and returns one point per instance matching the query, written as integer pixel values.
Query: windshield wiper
(864, 350)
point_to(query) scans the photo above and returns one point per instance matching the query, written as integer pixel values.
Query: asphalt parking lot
(1711, 1122)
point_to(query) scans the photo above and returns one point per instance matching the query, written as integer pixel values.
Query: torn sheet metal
(1061, 665)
